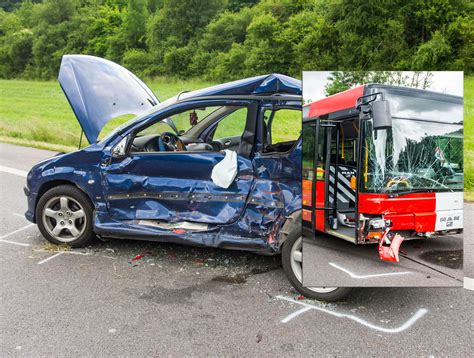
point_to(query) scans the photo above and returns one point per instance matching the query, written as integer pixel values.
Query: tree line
(229, 39)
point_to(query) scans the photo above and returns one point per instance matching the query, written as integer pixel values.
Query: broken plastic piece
(142, 255)
(390, 253)
(138, 257)
(224, 172)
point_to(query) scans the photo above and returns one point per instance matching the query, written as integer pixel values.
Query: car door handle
(227, 142)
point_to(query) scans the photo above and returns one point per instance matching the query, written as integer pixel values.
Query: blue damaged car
(157, 176)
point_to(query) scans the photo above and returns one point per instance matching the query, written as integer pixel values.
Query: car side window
(285, 125)
(233, 125)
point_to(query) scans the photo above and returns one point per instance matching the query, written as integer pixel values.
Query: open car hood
(99, 90)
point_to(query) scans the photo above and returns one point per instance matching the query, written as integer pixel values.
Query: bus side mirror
(381, 115)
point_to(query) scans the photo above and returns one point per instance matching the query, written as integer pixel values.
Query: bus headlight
(377, 224)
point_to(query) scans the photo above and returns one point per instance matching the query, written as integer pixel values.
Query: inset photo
(382, 179)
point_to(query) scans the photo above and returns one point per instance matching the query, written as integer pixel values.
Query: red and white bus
(379, 156)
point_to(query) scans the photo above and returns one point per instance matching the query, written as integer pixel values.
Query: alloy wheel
(64, 218)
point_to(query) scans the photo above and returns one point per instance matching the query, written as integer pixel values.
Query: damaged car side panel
(175, 187)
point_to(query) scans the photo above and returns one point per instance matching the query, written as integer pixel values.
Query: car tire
(291, 248)
(64, 215)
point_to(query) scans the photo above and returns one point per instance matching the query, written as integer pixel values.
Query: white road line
(18, 230)
(359, 277)
(469, 283)
(420, 313)
(13, 171)
(50, 258)
(14, 243)
(19, 215)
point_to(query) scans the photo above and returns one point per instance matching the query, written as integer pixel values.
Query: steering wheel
(172, 140)
(395, 182)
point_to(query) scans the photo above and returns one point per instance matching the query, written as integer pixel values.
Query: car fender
(64, 169)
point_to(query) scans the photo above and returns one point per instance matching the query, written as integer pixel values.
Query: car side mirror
(381, 115)
(120, 149)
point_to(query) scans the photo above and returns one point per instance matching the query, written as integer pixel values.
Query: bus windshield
(422, 151)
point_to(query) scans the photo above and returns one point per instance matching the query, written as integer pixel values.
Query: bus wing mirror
(381, 114)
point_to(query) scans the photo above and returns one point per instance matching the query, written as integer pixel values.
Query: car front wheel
(292, 260)
(64, 216)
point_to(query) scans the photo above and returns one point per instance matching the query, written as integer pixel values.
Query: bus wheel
(292, 260)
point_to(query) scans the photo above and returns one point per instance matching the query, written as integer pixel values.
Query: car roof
(260, 85)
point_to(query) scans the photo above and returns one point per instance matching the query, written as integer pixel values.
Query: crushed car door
(177, 186)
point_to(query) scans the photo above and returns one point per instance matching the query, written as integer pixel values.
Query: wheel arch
(55, 183)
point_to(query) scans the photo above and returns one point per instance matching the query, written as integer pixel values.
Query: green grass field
(37, 114)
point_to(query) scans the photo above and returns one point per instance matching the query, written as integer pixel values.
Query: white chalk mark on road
(19, 215)
(420, 313)
(50, 258)
(14, 243)
(295, 314)
(58, 253)
(469, 283)
(359, 277)
(13, 171)
(67, 252)
(14, 232)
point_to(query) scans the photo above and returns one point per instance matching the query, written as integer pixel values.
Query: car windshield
(184, 121)
(423, 150)
(152, 110)
(180, 123)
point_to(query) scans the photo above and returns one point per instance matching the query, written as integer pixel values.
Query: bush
(15, 54)
(138, 61)
(176, 61)
(434, 54)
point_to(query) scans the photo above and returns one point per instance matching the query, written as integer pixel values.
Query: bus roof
(336, 102)
(347, 100)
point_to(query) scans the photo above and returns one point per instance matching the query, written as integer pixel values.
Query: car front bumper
(31, 198)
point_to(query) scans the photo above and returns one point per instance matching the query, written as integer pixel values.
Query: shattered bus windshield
(422, 151)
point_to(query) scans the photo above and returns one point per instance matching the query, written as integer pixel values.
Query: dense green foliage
(228, 39)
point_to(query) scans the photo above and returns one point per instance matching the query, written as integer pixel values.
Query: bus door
(341, 181)
(315, 149)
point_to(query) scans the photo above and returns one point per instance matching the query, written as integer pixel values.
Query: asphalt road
(330, 261)
(181, 300)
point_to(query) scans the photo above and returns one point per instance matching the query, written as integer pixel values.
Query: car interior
(217, 128)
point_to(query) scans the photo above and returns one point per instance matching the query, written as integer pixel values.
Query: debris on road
(142, 255)
(138, 257)
(47, 246)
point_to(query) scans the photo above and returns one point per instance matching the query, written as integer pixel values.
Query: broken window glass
(412, 155)
(422, 151)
